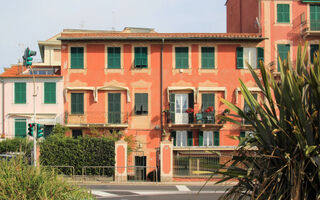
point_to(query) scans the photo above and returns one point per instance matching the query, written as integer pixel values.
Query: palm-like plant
(281, 159)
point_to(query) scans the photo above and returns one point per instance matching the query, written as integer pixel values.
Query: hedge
(17, 145)
(80, 152)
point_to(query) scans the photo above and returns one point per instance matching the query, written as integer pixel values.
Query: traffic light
(27, 59)
(30, 129)
(40, 128)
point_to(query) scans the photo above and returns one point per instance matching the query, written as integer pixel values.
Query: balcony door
(114, 108)
(181, 105)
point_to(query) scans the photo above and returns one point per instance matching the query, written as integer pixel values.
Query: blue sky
(24, 22)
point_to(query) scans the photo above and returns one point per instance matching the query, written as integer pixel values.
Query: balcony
(192, 120)
(97, 119)
(309, 28)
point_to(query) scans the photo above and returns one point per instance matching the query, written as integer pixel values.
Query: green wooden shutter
(77, 103)
(315, 17)
(114, 108)
(114, 58)
(207, 57)
(260, 56)
(239, 57)
(20, 93)
(77, 58)
(141, 57)
(172, 107)
(313, 49)
(138, 104)
(20, 128)
(216, 138)
(49, 92)
(182, 57)
(145, 103)
(173, 137)
(242, 134)
(283, 13)
(283, 50)
(200, 138)
(190, 138)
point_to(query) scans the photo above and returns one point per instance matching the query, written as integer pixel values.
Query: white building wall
(46, 113)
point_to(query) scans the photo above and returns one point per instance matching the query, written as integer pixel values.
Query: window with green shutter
(77, 103)
(182, 57)
(114, 108)
(207, 58)
(49, 92)
(20, 93)
(260, 56)
(20, 128)
(283, 50)
(114, 61)
(216, 138)
(141, 57)
(239, 57)
(77, 58)
(315, 17)
(207, 101)
(313, 49)
(283, 13)
(242, 134)
(141, 103)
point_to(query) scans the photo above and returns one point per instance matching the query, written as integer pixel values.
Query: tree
(281, 159)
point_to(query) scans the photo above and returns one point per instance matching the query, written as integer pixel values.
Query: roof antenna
(113, 21)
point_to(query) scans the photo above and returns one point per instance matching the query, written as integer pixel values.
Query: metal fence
(107, 173)
(62, 170)
(142, 173)
(195, 165)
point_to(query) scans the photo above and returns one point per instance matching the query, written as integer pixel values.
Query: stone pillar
(166, 161)
(121, 161)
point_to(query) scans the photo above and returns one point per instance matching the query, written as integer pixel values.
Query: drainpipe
(1, 80)
(161, 80)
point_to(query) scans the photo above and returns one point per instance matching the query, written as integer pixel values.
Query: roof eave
(157, 38)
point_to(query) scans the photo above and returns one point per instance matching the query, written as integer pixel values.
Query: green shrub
(17, 145)
(24, 182)
(80, 152)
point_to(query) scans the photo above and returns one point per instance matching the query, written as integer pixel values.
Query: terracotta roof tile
(16, 71)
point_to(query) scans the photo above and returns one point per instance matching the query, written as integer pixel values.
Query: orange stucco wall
(276, 33)
(145, 129)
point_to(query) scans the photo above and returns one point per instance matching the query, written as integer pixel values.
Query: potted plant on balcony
(209, 115)
(190, 112)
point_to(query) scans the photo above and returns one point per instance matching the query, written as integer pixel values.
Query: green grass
(24, 182)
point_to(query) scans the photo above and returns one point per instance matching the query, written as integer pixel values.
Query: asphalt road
(155, 192)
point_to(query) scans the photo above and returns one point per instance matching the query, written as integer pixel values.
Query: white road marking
(103, 194)
(183, 188)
